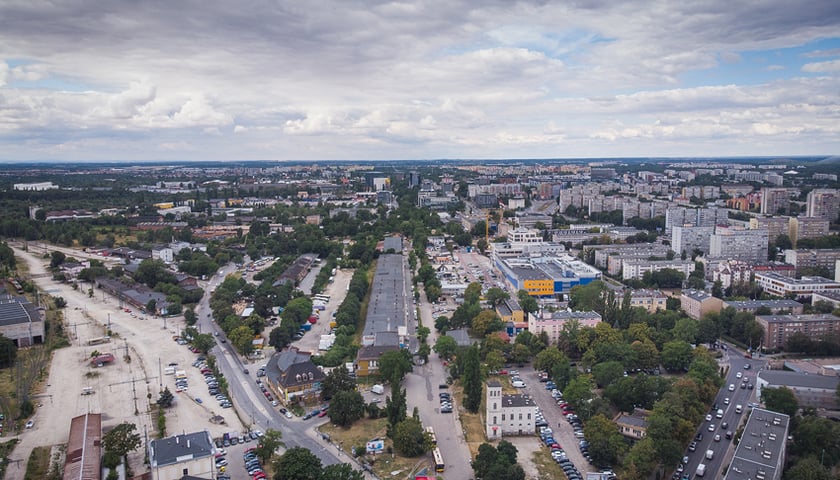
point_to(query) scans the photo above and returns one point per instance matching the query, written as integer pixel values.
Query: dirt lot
(142, 347)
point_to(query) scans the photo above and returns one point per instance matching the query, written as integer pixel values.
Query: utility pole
(134, 388)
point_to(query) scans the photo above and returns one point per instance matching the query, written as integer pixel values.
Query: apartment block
(775, 226)
(730, 272)
(650, 300)
(807, 227)
(823, 202)
(696, 303)
(775, 306)
(552, 322)
(779, 328)
(695, 217)
(688, 239)
(637, 268)
(740, 244)
(812, 259)
(774, 200)
(780, 285)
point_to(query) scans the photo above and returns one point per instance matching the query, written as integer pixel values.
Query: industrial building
(760, 454)
(546, 276)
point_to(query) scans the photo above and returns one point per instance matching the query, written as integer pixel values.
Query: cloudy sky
(351, 79)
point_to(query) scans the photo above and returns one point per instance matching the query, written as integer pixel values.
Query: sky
(365, 80)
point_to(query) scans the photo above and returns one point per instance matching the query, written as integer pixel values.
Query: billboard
(375, 446)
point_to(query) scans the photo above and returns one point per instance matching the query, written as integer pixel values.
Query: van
(169, 371)
(377, 389)
(739, 408)
(719, 413)
(518, 384)
(710, 454)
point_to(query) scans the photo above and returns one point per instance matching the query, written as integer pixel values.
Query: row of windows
(511, 417)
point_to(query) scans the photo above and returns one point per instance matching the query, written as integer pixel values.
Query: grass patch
(365, 430)
(546, 466)
(38, 466)
(5, 450)
(471, 423)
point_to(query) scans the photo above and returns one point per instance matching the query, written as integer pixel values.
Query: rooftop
(180, 448)
(517, 400)
(777, 378)
(816, 317)
(752, 304)
(762, 444)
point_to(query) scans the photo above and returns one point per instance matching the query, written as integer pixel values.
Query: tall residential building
(823, 202)
(689, 239)
(807, 227)
(774, 200)
(779, 328)
(775, 226)
(695, 217)
(825, 258)
(739, 244)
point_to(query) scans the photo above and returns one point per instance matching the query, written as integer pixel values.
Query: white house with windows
(506, 414)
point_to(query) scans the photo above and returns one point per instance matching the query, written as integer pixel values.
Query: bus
(439, 465)
(432, 437)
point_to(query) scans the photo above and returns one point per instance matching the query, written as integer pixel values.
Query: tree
(527, 302)
(507, 450)
(780, 400)
(494, 360)
(190, 317)
(445, 347)
(579, 393)
(549, 358)
(8, 351)
(605, 442)
(340, 471)
(394, 365)
(338, 380)
(297, 464)
(810, 468)
(409, 438)
(57, 258)
(485, 322)
(346, 407)
(121, 439)
(269, 443)
(242, 338)
(685, 330)
(495, 296)
(166, 398)
(607, 372)
(676, 355)
(472, 380)
(203, 342)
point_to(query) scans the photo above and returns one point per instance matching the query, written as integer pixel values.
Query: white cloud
(830, 66)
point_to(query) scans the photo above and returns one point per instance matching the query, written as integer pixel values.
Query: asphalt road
(724, 449)
(248, 400)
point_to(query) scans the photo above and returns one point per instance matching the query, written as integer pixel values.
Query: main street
(248, 400)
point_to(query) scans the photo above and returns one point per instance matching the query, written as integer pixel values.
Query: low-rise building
(732, 272)
(761, 452)
(779, 328)
(84, 449)
(650, 300)
(696, 303)
(552, 322)
(636, 269)
(367, 359)
(831, 297)
(21, 321)
(802, 288)
(173, 458)
(507, 414)
(292, 374)
(510, 311)
(817, 391)
(775, 306)
(634, 425)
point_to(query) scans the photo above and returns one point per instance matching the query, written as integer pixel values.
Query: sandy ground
(122, 389)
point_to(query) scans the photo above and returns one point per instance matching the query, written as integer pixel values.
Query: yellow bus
(439, 465)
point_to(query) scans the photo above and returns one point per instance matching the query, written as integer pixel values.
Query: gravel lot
(121, 389)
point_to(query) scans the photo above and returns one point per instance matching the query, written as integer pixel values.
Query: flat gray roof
(170, 450)
(777, 378)
(761, 449)
(388, 301)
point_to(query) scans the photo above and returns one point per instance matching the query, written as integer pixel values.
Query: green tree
(685, 330)
(394, 365)
(340, 471)
(817, 436)
(494, 360)
(445, 347)
(346, 407)
(190, 317)
(269, 443)
(409, 438)
(579, 393)
(808, 468)
(8, 351)
(549, 358)
(297, 464)
(485, 322)
(121, 439)
(780, 400)
(606, 373)
(338, 380)
(605, 442)
(203, 342)
(242, 338)
(472, 380)
(676, 355)
(166, 398)
(495, 296)
(57, 258)
(527, 302)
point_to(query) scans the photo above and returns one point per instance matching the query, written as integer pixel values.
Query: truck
(377, 389)
(701, 470)
(710, 454)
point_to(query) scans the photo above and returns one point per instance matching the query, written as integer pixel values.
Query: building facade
(637, 268)
(779, 328)
(507, 415)
(552, 322)
(740, 244)
(780, 285)
(175, 457)
(696, 303)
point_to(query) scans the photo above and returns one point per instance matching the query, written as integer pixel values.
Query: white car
(731, 387)
(709, 417)
(30, 424)
(726, 401)
(739, 375)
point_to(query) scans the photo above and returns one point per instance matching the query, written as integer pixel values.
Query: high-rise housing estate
(808, 227)
(738, 243)
(774, 200)
(689, 239)
(823, 202)
(695, 217)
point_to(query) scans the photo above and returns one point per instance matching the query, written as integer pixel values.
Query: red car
(323, 413)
